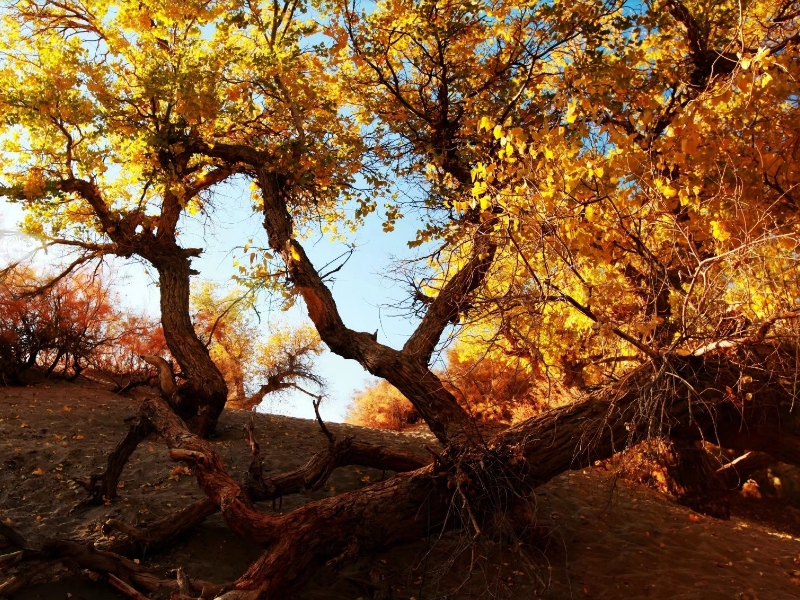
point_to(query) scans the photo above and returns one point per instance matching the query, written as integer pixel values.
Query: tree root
(138, 541)
(103, 487)
(516, 461)
(75, 555)
(312, 476)
(481, 482)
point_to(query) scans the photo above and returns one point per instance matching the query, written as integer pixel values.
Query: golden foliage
(382, 406)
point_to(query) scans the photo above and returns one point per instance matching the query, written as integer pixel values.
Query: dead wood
(103, 487)
(158, 534)
(311, 476)
(166, 378)
(740, 468)
(721, 397)
(85, 556)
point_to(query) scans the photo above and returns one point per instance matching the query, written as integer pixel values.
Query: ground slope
(600, 538)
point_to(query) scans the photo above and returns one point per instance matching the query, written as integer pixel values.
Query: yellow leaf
(668, 191)
(719, 231)
(38, 471)
(571, 115)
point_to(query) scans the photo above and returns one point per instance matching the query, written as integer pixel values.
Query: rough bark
(201, 400)
(166, 378)
(32, 561)
(709, 402)
(203, 396)
(158, 534)
(403, 507)
(311, 476)
(408, 369)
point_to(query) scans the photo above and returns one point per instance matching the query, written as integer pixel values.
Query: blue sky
(362, 289)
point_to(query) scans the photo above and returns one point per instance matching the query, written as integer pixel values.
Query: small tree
(224, 324)
(254, 365)
(285, 361)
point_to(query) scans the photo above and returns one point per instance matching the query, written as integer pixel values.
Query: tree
(285, 360)
(95, 107)
(229, 334)
(583, 221)
(496, 386)
(70, 324)
(254, 365)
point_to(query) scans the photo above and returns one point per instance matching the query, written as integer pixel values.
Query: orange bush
(69, 326)
(382, 406)
(491, 388)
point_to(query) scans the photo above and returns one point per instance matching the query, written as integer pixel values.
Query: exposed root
(166, 378)
(126, 589)
(312, 476)
(158, 534)
(36, 561)
(103, 487)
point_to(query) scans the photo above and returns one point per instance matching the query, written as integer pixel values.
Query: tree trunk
(201, 400)
(694, 481)
(104, 486)
(408, 369)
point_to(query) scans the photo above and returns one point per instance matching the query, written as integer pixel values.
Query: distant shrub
(381, 405)
(67, 327)
(253, 365)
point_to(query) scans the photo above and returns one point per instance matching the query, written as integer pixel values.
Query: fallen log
(715, 403)
(311, 476)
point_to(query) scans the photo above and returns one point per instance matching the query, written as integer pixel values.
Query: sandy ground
(599, 538)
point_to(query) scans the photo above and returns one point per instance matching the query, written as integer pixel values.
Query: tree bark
(515, 462)
(201, 400)
(104, 486)
(203, 396)
(408, 369)
(311, 476)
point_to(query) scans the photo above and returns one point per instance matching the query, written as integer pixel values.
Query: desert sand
(599, 537)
